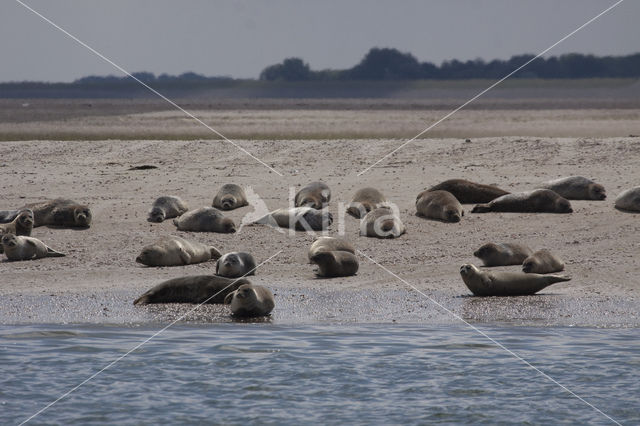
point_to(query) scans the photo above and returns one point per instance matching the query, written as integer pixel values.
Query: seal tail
(52, 253)
(142, 300)
(558, 278)
(481, 208)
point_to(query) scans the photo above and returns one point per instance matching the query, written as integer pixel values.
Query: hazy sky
(239, 38)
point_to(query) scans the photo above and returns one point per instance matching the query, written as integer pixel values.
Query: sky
(239, 38)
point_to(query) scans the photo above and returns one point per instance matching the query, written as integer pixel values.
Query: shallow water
(265, 373)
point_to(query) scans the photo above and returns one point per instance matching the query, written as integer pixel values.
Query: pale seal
(439, 205)
(299, 218)
(230, 197)
(192, 289)
(322, 244)
(467, 192)
(503, 254)
(59, 212)
(365, 200)
(250, 301)
(176, 251)
(506, 283)
(236, 264)
(629, 200)
(576, 188)
(536, 201)
(335, 263)
(316, 195)
(382, 223)
(26, 248)
(167, 207)
(205, 219)
(542, 262)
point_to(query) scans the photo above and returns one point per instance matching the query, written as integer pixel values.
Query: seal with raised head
(485, 283)
(176, 251)
(59, 212)
(439, 205)
(192, 289)
(298, 218)
(335, 263)
(576, 188)
(316, 195)
(542, 262)
(536, 201)
(365, 200)
(167, 207)
(467, 192)
(205, 219)
(236, 264)
(322, 244)
(230, 197)
(21, 225)
(629, 200)
(250, 301)
(18, 247)
(382, 223)
(503, 254)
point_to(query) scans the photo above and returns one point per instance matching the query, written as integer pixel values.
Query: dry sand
(99, 278)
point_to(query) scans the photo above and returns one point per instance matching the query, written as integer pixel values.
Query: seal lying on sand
(365, 200)
(193, 289)
(176, 251)
(468, 192)
(167, 207)
(576, 188)
(59, 212)
(236, 264)
(316, 195)
(542, 262)
(536, 201)
(230, 197)
(26, 248)
(503, 254)
(439, 205)
(205, 219)
(299, 218)
(22, 225)
(250, 301)
(382, 223)
(335, 263)
(629, 200)
(505, 283)
(322, 244)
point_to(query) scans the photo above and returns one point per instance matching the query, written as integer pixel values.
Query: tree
(291, 69)
(386, 64)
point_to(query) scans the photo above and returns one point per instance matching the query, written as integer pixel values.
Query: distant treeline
(391, 64)
(149, 77)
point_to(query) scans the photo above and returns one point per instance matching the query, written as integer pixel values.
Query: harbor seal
(316, 195)
(503, 254)
(236, 264)
(230, 197)
(382, 223)
(536, 201)
(335, 263)
(468, 192)
(298, 218)
(18, 247)
(323, 244)
(576, 188)
(506, 283)
(439, 205)
(542, 262)
(365, 200)
(59, 212)
(629, 200)
(205, 219)
(21, 225)
(192, 289)
(176, 251)
(250, 301)
(167, 207)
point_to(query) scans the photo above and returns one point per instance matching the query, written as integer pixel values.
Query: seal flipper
(184, 256)
(557, 278)
(52, 253)
(481, 208)
(215, 254)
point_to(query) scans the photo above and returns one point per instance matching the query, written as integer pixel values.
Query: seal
(250, 301)
(576, 188)
(536, 201)
(167, 207)
(316, 195)
(365, 200)
(21, 225)
(468, 192)
(502, 254)
(18, 247)
(205, 219)
(176, 251)
(192, 289)
(439, 205)
(542, 262)
(322, 244)
(382, 223)
(59, 212)
(230, 197)
(236, 264)
(506, 283)
(298, 218)
(629, 200)
(335, 263)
